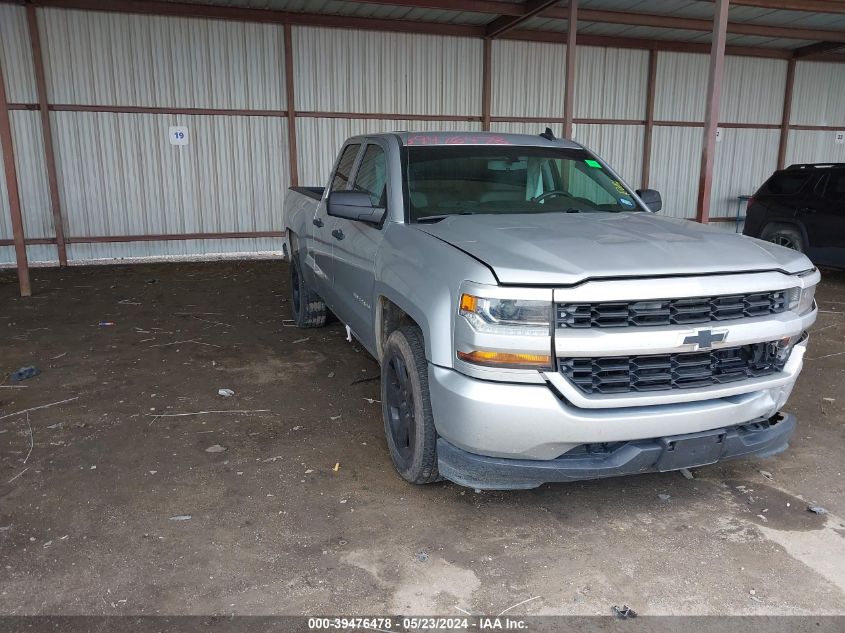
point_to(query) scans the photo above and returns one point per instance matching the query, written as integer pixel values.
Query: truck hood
(568, 248)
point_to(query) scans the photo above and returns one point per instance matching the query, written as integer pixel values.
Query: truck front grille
(670, 311)
(659, 372)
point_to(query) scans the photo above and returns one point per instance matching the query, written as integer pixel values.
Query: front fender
(422, 275)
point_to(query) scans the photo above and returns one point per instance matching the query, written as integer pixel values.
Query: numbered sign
(839, 137)
(178, 135)
(718, 135)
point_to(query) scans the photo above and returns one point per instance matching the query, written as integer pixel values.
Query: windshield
(455, 180)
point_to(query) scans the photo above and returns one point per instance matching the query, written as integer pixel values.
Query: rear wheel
(307, 307)
(406, 406)
(784, 236)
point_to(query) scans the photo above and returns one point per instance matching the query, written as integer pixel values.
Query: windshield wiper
(431, 219)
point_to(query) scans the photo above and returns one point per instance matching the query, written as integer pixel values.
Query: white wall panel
(528, 79)
(813, 146)
(33, 188)
(204, 249)
(610, 83)
(319, 140)
(340, 70)
(139, 60)
(16, 55)
(744, 159)
(621, 146)
(32, 174)
(753, 88)
(119, 175)
(675, 164)
(680, 87)
(819, 94)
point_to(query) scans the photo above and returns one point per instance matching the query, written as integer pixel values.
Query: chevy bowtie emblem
(704, 339)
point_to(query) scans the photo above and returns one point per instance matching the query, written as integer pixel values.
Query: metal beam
(787, 113)
(290, 96)
(486, 84)
(47, 134)
(630, 18)
(648, 133)
(813, 6)
(820, 48)
(152, 7)
(653, 45)
(8, 150)
(711, 113)
(505, 23)
(571, 49)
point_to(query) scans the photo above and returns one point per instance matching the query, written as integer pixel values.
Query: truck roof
(469, 137)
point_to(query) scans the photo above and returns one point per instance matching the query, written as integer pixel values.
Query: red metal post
(787, 113)
(8, 149)
(569, 95)
(648, 134)
(291, 99)
(47, 133)
(486, 84)
(711, 114)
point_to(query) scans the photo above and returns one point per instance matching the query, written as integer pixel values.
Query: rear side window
(786, 183)
(835, 189)
(340, 182)
(372, 175)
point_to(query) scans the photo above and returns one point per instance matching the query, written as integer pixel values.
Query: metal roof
(452, 13)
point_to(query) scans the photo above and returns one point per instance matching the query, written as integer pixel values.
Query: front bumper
(531, 421)
(759, 438)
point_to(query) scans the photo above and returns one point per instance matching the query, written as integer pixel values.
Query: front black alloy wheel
(406, 406)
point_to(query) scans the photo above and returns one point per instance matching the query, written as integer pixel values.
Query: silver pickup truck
(536, 320)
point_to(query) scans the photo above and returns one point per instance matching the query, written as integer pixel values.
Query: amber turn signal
(506, 360)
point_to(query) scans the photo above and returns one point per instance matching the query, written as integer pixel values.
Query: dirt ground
(300, 511)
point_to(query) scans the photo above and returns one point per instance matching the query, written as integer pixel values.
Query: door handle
(337, 234)
(317, 222)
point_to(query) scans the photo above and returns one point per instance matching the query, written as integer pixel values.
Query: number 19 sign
(178, 135)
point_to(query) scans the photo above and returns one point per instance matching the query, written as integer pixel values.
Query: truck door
(355, 247)
(322, 241)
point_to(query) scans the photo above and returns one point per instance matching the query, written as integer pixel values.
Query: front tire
(406, 407)
(307, 307)
(784, 236)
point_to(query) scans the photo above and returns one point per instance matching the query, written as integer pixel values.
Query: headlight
(507, 316)
(504, 333)
(801, 299)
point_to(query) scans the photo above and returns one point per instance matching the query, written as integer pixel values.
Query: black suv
(802, 207)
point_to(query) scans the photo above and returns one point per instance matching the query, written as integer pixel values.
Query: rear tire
(784, 236)
(406, 407)
(307, 307)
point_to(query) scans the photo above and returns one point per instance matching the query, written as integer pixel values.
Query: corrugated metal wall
(119, 175)
(16, 58)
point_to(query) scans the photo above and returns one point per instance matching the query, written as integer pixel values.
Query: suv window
(372, 175)
(785, 183)
(340, 182)
(835, 189)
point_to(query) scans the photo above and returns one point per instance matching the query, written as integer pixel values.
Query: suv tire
(307, 307)
(406, 406)
(783, 235)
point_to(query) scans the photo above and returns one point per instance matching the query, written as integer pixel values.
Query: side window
(372, 175)
(785, 183)
(835, 189)
(340, 182)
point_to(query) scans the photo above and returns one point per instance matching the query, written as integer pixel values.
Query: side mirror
(651, 198)
(354, 205)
